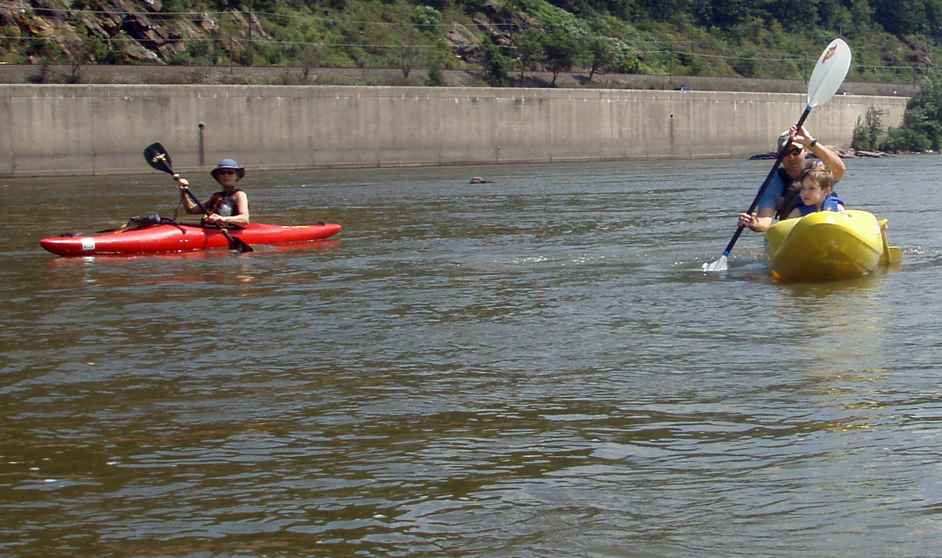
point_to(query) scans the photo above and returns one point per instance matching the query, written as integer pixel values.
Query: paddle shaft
(768, 179)
(193, 198)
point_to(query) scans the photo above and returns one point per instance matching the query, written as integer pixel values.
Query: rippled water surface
(532, 367)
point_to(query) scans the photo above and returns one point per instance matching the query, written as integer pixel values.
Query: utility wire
(199, 16)
(661, 47)
(636, 52)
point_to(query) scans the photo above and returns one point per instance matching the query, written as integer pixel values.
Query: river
(534, 367)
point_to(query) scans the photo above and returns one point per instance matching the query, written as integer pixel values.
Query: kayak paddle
(828, 75)
(157, 157)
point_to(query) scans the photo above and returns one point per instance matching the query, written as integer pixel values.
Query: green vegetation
(869, 131)
(921, 129)
(893, 40)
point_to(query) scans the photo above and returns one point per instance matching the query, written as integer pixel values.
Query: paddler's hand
(802, 136)
(749, 220)
(214, 219)
(182, 183)
(755, 223)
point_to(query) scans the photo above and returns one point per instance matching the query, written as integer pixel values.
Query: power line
(203, 15)
(636, 52)
(223, 41)
(661, 48)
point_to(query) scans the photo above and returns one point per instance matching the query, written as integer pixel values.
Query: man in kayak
(229, 206)
(782, 193)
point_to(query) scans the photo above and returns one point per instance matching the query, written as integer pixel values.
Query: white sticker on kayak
(88, 244)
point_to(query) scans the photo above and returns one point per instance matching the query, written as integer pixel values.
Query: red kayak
(174, 237)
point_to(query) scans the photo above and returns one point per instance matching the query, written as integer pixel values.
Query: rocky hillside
(118, 31)
(503, 39)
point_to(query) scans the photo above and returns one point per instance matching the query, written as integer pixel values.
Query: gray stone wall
(102, 129)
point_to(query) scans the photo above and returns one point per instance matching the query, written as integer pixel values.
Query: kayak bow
(827, 246)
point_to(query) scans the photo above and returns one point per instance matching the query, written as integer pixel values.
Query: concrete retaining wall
(102, 129)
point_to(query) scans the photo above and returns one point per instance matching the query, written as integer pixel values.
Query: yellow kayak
(829, 245)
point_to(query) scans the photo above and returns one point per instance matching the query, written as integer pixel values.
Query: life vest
(830, 203)
(791, 197)
(223, 203)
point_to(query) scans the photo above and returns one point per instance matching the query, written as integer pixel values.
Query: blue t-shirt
(774, 194)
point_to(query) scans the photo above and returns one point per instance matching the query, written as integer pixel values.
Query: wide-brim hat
(228, 164)
(783, 137)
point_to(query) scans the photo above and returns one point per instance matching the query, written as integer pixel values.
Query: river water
(531, 367)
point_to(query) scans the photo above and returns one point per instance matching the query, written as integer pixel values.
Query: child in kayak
(229, 206)
(816, 193)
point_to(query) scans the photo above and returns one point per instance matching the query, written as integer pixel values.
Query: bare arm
(242, 204)
(759, 221)
(188, 204)
(831, 160)
(828, 156)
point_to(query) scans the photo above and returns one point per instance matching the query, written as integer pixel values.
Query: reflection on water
(536, 366)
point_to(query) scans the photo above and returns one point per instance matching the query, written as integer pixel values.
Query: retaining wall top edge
(485, 94)
(106, 90)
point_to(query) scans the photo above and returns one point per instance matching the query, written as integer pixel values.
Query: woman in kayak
(816, 194)
(229, 206)
(781, 196)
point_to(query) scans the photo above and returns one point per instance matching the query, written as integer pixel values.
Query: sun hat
(228, 164)
(783, 137)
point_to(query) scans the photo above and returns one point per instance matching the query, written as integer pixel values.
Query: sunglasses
(794, 151)
(225, 172)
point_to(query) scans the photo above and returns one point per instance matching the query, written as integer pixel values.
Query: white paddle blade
(829, 73)
(718, 265)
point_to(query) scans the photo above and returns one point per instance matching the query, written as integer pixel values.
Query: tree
(496, 65)
(600, 55)
(861, 14)
(867, 131)
(561, 50)
(529, 50)
(409, 57)
(666, 10)
(727, 13)
(934, 18)
(435, 60)
(901, 17)
(835, 16)
(922, 123)
(119, 47)
(84, 49)
(746, 64)
(312, 56)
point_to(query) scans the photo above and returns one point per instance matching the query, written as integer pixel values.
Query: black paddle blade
(157, 157)
(241, 246)
(236, 244)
